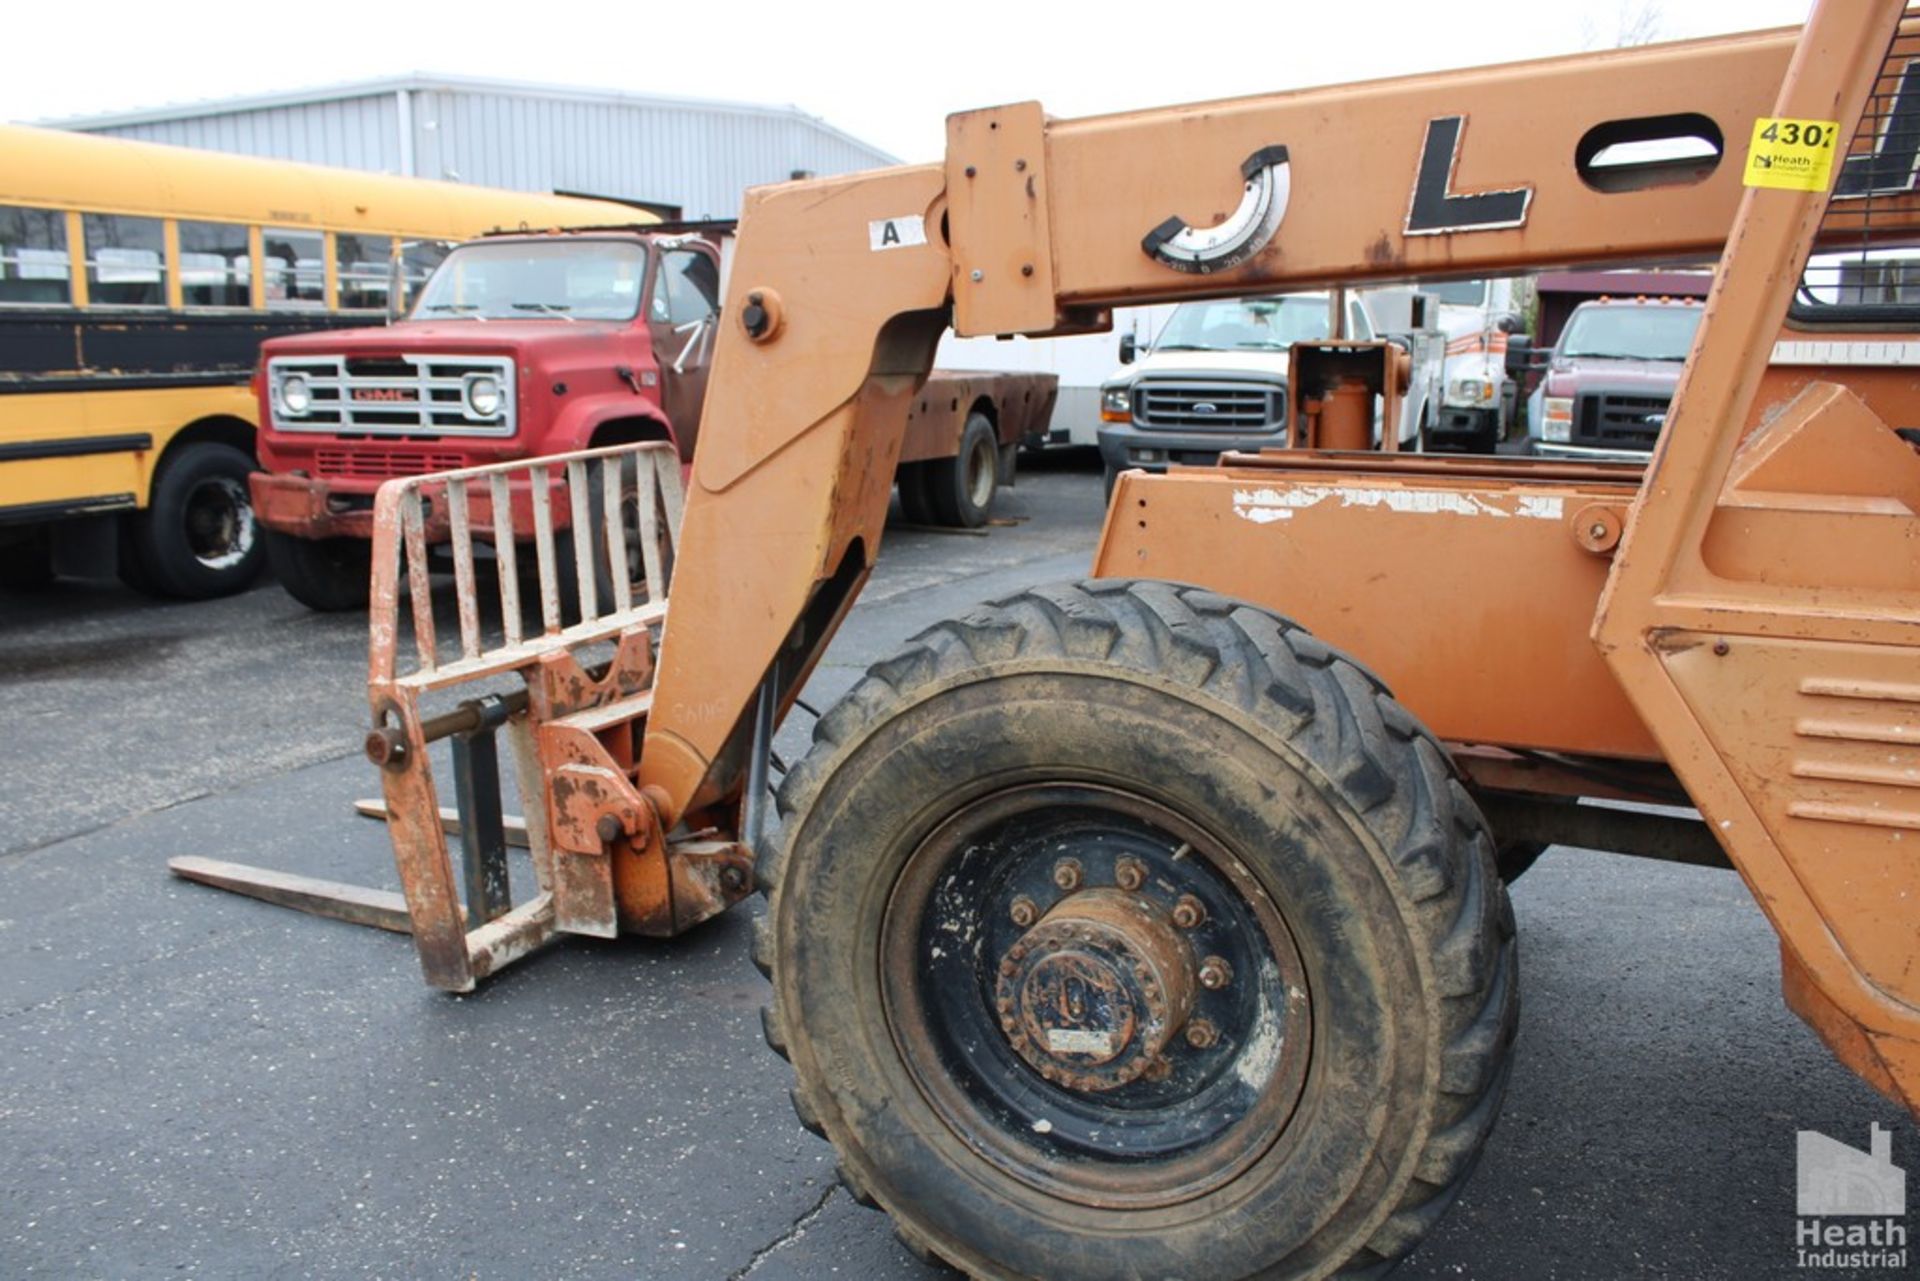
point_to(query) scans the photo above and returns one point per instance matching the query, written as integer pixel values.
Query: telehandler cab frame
(1130, 927)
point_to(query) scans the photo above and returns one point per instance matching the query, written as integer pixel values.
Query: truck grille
(394, 395)
(1178, 405)
(1618, 420)
(360, 463)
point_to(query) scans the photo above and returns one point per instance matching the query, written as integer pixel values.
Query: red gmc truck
(538, 343)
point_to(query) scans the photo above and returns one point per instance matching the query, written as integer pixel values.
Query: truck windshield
(1245, 324)
(531, 280)
(1459, 293)
(1631, 333)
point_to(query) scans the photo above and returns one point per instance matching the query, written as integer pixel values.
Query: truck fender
(576, 424)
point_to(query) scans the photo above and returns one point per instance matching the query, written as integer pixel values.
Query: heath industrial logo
(1852, 1204)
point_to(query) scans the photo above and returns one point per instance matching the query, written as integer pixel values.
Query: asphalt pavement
(196, 1085)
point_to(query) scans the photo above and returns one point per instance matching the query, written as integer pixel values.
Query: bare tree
(1635, 22)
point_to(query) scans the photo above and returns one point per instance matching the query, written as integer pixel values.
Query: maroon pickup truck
(533, 344)
(1611, 378)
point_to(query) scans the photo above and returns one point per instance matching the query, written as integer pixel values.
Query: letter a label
(896, 233)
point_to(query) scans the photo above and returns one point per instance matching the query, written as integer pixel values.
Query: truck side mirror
(1129, 348)
(1519, 355)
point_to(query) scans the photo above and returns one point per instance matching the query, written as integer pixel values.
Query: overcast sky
(885, 71)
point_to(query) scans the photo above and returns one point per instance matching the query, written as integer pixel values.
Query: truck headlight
(1556, 418)
(1116, 405)
(296, 397)
(1469, 391)
(484, 397)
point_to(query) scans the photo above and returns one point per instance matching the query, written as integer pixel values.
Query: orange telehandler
(1131, 927)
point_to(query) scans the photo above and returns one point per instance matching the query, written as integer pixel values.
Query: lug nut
(1215, 973)
(1189, 913)
(1066, 874)
(1158, 1070)
(733, 878)
(1129, 874)
(1201, 1034)
(1024, 911)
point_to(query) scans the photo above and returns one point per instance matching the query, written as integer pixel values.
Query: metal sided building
(685, 157)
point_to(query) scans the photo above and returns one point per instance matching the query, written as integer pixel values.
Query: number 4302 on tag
(1795, 155)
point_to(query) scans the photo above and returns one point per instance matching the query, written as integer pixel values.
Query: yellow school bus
(136, 284)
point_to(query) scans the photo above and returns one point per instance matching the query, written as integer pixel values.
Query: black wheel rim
(218, 522)
(969, 1003)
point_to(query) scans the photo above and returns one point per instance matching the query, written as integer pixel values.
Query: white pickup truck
(1216, 380)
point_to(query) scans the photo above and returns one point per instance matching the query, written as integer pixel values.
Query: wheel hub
(1091, 995)
(1094, 994)
(219, 522)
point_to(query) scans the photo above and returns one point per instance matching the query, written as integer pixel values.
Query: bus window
(215, 268)
(126, 261)
(296, 268)
(418, 259)
(365, 264)
(34, 267)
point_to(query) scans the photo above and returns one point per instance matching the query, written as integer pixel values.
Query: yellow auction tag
(1795, 155)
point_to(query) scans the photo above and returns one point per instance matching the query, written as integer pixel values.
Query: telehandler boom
(1130, 927)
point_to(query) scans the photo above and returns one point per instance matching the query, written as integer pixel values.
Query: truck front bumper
(1124, 446)
(1458, 426)
(1588, 453)
(302, 507)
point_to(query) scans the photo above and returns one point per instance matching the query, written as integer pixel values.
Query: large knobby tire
(961, 489)
(197, 537)
(331, 575)
(1353, 946)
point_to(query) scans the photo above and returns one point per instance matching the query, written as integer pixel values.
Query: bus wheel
(1124, 930)
(327, 574)
(198, 538)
